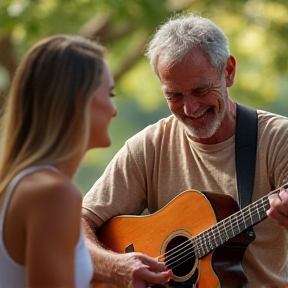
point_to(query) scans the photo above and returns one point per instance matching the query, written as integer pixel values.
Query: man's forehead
(186, 69)
(192, 85)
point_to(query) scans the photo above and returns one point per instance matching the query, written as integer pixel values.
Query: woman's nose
(115, 112)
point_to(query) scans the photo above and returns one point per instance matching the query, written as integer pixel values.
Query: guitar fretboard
(230, 227)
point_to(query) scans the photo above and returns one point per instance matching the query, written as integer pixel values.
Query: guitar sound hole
(180, 257)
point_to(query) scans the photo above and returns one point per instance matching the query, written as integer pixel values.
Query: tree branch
(101, 28)
(131, 58)
(8, 56)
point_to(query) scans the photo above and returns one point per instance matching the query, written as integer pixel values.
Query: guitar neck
(230, 227)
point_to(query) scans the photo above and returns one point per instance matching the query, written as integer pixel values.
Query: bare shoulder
(47, 192)
(46, 184)
(44, 199)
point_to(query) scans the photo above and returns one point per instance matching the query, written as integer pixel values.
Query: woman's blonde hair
(46, 118)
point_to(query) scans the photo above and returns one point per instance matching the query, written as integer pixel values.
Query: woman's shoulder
(48, 184)
(46, 191)
(43, 205)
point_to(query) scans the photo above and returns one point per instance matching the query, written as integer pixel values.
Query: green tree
(257, 32)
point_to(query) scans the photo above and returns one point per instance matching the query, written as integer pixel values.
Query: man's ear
(230, 70)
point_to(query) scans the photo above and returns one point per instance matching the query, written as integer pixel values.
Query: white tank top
(12, 274)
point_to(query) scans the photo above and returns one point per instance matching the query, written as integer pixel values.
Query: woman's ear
(230, 70)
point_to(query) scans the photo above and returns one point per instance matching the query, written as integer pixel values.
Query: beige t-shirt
(161, 161)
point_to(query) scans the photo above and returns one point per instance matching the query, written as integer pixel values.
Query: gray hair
(175, 38)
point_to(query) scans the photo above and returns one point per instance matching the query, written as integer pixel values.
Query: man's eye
(201, 91)
(173, 96)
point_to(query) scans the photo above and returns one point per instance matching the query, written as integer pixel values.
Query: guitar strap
(245, 153)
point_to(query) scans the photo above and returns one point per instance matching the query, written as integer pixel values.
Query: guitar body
(184, 217)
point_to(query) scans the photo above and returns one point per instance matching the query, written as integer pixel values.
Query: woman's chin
(103, 143)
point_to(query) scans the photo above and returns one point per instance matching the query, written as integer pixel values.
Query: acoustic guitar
(200, 236)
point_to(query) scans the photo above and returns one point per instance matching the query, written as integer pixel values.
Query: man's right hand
(137, 270)
(133, 270)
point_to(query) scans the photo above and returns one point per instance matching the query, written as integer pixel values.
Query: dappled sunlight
(251, 40)
(253, 81)
(143, 86)
(267, 12)
(257, 33)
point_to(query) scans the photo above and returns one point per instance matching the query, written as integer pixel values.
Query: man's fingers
(280, 217)
(154, 264)
(150, 271)
(152, 277)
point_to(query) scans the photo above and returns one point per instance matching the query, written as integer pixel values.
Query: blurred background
(257, 31)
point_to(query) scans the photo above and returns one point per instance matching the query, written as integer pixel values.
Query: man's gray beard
(205, 132)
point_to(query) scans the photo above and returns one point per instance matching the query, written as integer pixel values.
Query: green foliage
(257, 31)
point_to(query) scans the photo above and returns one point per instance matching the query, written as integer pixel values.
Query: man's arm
(121, 269)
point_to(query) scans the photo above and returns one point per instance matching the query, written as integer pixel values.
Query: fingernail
(168, 276)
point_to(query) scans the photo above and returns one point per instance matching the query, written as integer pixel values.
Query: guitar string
(190, 250)
(211, 248)
(176, 257)
(190, 240)
(199, 248)
(239, 213)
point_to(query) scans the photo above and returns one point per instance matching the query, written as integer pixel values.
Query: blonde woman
(59, 106)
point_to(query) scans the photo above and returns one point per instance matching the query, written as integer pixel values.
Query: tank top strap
(14, 183)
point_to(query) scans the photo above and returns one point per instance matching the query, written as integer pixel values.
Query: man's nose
(190, 105)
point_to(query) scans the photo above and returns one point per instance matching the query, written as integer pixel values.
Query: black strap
(245, 152)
